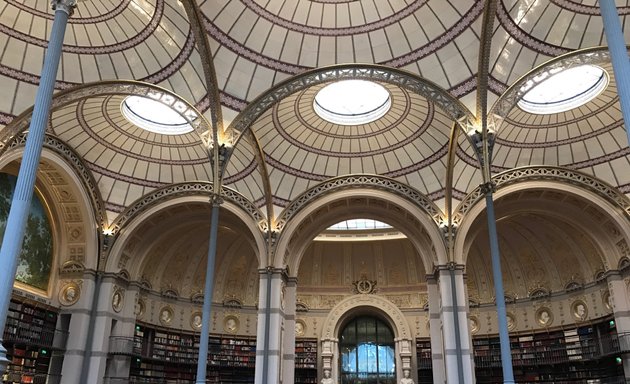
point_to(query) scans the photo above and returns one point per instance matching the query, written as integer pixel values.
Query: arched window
(367, 351)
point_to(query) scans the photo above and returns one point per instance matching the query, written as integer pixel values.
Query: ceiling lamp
(560, 89)
(352, 102)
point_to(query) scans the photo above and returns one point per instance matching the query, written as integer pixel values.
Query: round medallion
(117, 300)
(300, 328)
(544, 317)
(579, 310)
(230, 324)
(69, 294)
(166, 315)
(195, 321)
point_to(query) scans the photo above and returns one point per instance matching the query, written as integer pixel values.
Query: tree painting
(35, 259)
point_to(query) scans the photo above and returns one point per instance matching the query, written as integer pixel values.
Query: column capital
(64, 5)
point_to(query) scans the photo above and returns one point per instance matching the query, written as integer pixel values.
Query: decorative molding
(75, 161)
(514, 93)
(365, 181)
(546, 173)
(184, 189)
(386, 308)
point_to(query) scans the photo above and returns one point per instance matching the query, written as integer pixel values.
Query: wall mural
(36, 256)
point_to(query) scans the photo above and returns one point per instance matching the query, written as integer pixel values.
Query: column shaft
(499, 293)
(437, 351)
(619, 56)
(202, 361)
(21, 203)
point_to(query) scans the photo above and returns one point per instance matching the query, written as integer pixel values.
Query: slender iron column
(21, 203)
(619, 56)
(504, 337)
(202, 362)
(483, 147)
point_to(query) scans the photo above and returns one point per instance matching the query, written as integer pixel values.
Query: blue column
(504, 337)
(202, 362)
(619, 56)
(21, 204)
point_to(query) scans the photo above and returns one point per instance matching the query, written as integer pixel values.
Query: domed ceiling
(253, 46)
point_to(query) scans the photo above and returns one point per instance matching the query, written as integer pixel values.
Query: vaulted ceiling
(241, 49)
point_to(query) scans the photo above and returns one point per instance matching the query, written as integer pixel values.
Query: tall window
(367, 352)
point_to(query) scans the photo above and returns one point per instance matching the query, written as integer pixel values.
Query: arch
(360, 304)
(111, 87)
(349, 306)
(403, 212)
(516, 91)
(241, 125)
(606, 198)
(63, 160)
(138, 215)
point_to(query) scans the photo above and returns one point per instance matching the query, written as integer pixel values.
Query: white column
(121, 339)
(435, 331)
(457, 348)
(621, 309)
(76, 344)
(288, 344)
(270, 316)
(97, 354)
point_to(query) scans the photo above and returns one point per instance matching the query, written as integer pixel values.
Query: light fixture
(559, 89)
(352, 102)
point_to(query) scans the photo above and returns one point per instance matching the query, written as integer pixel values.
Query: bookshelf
(555, 356)
(305, 361)
(423, 357)
(164, 355)
(28, 337)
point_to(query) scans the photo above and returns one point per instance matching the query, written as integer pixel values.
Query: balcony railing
(119, 345)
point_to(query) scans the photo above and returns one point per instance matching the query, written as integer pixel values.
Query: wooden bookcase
(305, 361)
(555, 356)
(28, 337)
(169, 356)
(424, 360)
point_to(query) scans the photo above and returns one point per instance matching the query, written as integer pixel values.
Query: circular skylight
(359, 224)
(352, 102)
(560, 90)
(154, 116)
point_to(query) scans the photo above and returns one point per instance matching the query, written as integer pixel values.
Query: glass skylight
(154, 116)
(563, 89)
(359, 224)
(352, 102)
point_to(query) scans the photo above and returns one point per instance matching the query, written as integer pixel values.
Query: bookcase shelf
(572, 355)
(555, 356)
(423, 355)
(28, 338)
(305, 361)
(170, 356)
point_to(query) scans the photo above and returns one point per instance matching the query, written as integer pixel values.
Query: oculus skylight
(154, 116)
(352, 102)
(359, 224)
(560, 90)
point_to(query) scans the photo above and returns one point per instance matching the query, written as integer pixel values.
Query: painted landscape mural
(36, 256)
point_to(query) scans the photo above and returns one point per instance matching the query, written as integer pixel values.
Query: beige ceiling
(256, 45)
